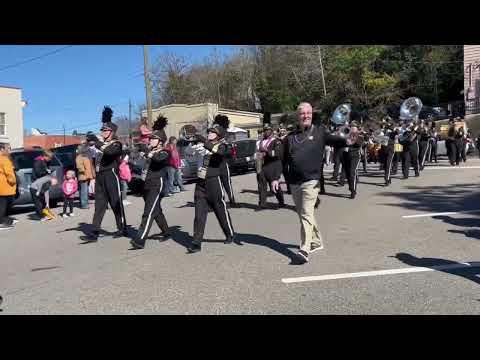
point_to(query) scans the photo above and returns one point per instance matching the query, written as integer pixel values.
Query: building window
(3, 125)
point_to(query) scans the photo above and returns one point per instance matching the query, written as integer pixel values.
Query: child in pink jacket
(70, 187)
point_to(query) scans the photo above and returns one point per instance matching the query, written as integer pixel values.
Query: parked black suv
(242, 158)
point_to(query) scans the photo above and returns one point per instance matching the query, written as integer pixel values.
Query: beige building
(471, 62)
(202, 115)
(11, 115)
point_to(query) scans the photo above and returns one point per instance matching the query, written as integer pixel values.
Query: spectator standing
(8, 185)
(86, 173)
(174, 168)
(69, 187)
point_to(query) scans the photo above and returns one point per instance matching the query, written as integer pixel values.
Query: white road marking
(380, 272)
(439, 214)
(449, 167)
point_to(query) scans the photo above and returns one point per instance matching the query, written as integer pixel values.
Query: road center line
(450, 167)
(380, 272)
(439, 214)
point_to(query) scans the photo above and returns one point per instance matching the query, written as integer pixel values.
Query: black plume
(107, 114)
(222, 120)
(160, 123)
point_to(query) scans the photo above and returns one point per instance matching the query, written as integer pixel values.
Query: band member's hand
(150, 154)
(275, 186)
(142, 154)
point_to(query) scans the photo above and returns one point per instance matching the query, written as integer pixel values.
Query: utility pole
(147, 85)
(63, 134)
(321, 69)
(130, 121)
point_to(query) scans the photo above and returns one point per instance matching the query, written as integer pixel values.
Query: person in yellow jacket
(8, 185)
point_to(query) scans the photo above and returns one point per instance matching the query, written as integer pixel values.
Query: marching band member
(209, 191)
(409, 141)
(269, 152)
(157, 159)
(107, 180)
(352, 158)
(433, 143)
(391, 159)
(450, 143)
(225, 175)
(423, 144)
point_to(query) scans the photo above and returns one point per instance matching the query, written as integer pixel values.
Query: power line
(35, 58)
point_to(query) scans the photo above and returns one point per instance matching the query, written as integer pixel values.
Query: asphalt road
(44, 268)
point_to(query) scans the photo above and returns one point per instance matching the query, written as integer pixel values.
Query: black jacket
(156, 164)
(214, 161)
(303, 153)
(40, 168)
(111, 156)
(272, 161)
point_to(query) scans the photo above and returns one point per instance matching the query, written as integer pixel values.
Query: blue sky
(71, 86)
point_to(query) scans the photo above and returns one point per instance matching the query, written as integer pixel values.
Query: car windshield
(24, 160)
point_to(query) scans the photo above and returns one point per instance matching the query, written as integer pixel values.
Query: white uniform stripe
(355, 177)
(122, 211)
(389, 164)
(425, 154)
(230, 182)
(147, 225)
(225, 207)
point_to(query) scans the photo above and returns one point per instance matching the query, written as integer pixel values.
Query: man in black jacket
(209, 191)
(156, 160)
(107, 181)
(302, 170)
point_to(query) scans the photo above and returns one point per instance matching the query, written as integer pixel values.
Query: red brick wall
(50, 141)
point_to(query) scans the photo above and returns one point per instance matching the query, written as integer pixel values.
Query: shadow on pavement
(467, 273)
(184, 239)
(446, 198)
(281, 248)
(370, 183)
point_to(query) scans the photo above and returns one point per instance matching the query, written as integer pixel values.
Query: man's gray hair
(302, 105)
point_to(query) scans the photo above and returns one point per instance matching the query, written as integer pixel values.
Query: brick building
(471, 61)
(50, 141)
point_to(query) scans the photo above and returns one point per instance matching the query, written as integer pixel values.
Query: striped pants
(108, 191)
(210, 193)
(152, 212)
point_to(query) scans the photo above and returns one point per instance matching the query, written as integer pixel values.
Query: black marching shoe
(229, 240)
(353, 194)
(92, 237)
(194, 248)
(135, 245)
(164, 236)
(121, 233)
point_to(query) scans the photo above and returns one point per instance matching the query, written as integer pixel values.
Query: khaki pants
(304, 197)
